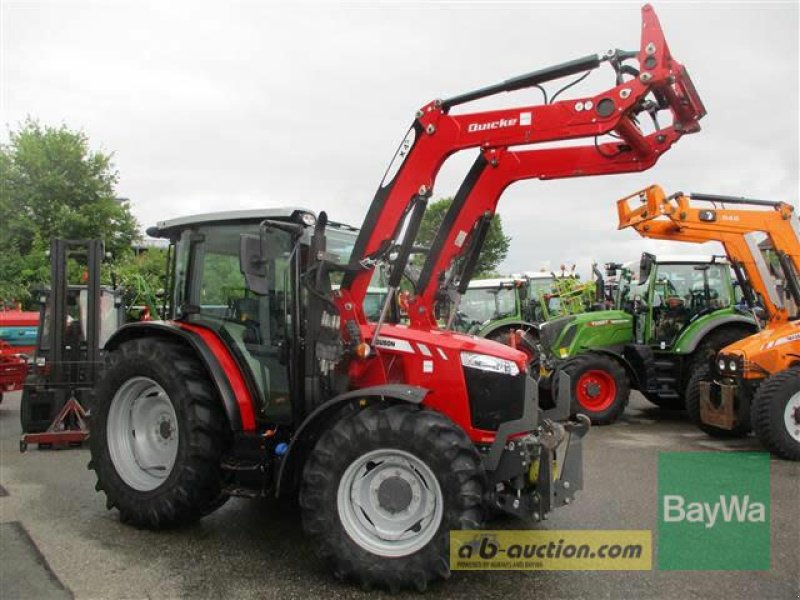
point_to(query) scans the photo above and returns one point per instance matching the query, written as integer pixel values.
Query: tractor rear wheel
(158, 433)
(382, 490)
(776, 413)
(600, 387)
(741, 406)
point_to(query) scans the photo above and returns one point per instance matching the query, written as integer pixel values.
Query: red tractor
(267, 378)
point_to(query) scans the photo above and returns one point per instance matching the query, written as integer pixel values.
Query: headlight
(492, 364)
(732, 365)
(721, 364)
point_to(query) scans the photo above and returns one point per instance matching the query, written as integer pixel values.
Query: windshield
(483, 304)
(685, 284)
(340, 242)
(537, 287)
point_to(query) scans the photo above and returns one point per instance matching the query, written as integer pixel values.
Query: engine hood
(405, 339)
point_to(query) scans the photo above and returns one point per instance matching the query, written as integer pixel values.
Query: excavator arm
(679, 218)
(660, 83)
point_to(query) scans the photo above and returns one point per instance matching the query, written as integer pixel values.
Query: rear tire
(156, 403)
(741, 406)
(600, 387)
(776, 413)
(411, 470)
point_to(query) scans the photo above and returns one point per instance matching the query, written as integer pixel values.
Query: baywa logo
(713, 511)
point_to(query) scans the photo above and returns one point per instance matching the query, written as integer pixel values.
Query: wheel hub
(390, 502)
(394, 494)
(142, 434)
(593, 389)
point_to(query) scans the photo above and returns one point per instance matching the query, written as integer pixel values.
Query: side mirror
(255, 254)
(646, 266)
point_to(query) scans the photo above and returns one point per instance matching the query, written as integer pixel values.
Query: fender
(514, 324)
(236, 400)
(610, 352)
(696, 332)
(305, 432)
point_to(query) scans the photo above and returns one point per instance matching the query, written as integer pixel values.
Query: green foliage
(495, 247)
(53, 185)
(142, 276)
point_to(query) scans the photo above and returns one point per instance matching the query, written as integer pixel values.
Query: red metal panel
(228, 364)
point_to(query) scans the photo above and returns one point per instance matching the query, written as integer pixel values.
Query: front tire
(382, 490)
(158, 434)
(741, 406)
(600, 387)
(776, 413)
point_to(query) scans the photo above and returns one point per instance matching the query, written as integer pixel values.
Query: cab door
(255, 326)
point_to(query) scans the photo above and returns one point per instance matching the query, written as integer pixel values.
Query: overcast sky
(225, 105)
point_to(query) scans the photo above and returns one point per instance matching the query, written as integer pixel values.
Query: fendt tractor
(671, 315)
(754, 382)
(493, 307)
(264, 381)
(511, 309)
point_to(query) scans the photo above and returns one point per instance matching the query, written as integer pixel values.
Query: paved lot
(66, 542)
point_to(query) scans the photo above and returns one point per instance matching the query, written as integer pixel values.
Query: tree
(495, 246)
(53, 185)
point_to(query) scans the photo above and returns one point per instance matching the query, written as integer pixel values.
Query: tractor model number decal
(399, 157)
(606, 322)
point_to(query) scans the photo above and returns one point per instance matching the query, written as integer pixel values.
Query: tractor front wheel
(776, 413)
(600, 387)
(158, 433)
(382, 490)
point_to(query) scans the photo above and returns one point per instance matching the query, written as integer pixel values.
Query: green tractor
(492, 307)
(509, 310)
(668, 319)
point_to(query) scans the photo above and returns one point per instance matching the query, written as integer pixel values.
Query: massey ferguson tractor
(754, 382)
(264, 380)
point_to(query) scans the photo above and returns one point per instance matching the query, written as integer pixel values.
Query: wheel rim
(791, 417)
(389, 502)
(596, 390)
(142, 434)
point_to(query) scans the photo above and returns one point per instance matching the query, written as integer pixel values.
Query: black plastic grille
(494, 398)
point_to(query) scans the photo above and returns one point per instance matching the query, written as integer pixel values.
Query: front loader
(754, 382)
(264, 380)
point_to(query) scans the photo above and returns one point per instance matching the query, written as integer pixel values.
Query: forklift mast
(659, 84)
(678, 218)
(59, 351)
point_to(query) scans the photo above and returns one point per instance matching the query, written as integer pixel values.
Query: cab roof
(169, 227)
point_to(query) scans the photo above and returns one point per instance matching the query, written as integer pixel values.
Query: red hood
(448, 341)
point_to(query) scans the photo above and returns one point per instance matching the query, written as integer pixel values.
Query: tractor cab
(261, 326)
(676, 291)
(485, 301)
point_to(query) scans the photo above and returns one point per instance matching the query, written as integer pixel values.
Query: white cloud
(219, 105)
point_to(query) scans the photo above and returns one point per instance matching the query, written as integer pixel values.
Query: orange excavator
(754, 382)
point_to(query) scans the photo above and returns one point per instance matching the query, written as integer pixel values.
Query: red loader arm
(660, 83)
